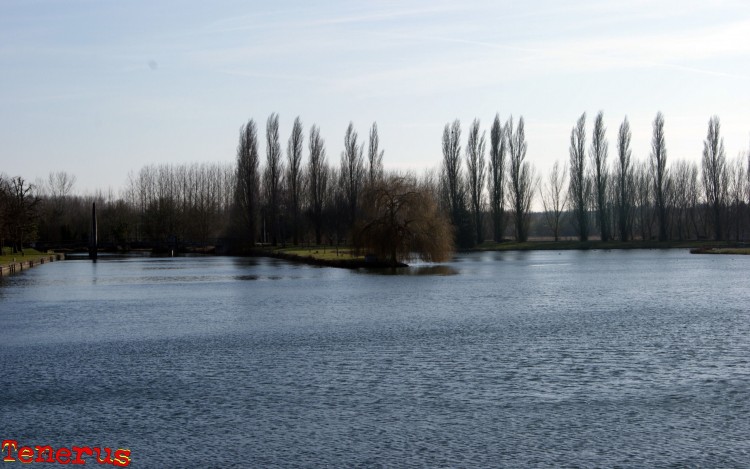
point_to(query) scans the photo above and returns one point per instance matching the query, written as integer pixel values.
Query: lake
(515, 359)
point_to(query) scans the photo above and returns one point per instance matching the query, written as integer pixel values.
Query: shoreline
(13, 267)
(355, 263)
(575, 245)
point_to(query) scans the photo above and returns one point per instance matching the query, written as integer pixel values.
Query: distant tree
(20, 212)
(521, 180)
(644, 189)
(452, 168)
(294, 175)
(352, 172)
(715, 175)
(273, 177)
(660, 178)
(247, 191)
(453, 183)
(693, 191)
(401, 220)
(496, 179)
(475, 166)
(681, 199)
(4, 194)
(598, 155)
(580, 184)
(318, 174)
(374, 156)
(554, 198)
(624, 181)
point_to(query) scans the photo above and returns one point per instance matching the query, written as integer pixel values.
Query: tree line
(485, 188)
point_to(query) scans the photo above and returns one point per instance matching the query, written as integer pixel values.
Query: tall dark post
(93, 237)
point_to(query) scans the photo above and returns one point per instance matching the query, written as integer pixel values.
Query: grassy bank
(8, 257)
(323, 256)
(326, 253)
(719, 250)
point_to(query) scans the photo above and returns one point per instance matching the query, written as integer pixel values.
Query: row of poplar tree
(592, 194)
(486, 189)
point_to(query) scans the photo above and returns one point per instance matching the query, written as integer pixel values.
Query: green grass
(29, 255)
(321, 252)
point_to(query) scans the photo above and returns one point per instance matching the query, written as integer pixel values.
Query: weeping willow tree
(401, 221)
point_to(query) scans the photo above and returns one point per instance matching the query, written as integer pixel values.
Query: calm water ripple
(529, 359)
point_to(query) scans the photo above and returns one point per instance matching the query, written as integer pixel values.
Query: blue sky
(101, 88)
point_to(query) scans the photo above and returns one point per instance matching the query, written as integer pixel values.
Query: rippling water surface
(588, 359)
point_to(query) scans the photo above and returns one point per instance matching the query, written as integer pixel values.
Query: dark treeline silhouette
(304, 197)
(654, 199)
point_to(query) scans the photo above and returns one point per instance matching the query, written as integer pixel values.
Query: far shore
(565, 245)
(349, 258)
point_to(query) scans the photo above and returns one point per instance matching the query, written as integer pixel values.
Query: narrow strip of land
(11, 263)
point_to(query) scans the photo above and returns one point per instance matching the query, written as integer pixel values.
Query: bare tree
(693, 194)
(681, 173)
(624, 182)
(21, 211)
(402, 220)
(521, 180)
(644, 190)
(554, 198)
(580, 184)
(294, 175)
(248, 180)
(658, 163)
(452, 168)
(736, 188)
(715, 174)
(273, 177)
(318, 173)
(475, 166)
(453, 184)
(4, 196)
(374, 156)
(598, 155)
(352, 171)
(496, 179)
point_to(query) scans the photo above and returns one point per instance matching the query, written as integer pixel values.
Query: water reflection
(435, 270)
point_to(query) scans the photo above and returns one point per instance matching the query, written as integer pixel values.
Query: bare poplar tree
(521, 179)
(352, 171)
(294, 175)
(658, 163)
(475, 166)
(247, 180)
(554, 198)
(715, 174)
(580, 184)
(737, 188)
(644, 190)
(273, 176)
(318, 173)
(452, 169)
(681, 173)
(624, 182)
(496, 179)
(598, 155)
(374, 156)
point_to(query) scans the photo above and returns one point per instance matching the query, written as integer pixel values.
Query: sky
(100, 88)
